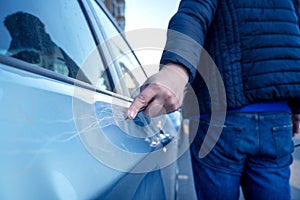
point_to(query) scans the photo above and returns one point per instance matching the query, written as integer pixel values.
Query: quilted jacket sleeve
(187, 31)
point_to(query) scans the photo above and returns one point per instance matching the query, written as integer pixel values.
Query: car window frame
(96, 33)
(117, 75)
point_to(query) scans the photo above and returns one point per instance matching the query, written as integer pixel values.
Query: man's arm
(186, 33)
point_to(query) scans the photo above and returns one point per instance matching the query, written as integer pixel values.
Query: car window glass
(131, 75)
(53, 35)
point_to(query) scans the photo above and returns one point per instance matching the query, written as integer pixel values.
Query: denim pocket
(283, 140)
(225, 150)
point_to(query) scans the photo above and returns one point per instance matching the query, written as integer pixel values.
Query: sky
(155, 14)
(149, 13)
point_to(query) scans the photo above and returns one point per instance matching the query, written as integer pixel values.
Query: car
(67, 77)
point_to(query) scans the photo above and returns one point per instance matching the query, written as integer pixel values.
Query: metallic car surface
(64, 138)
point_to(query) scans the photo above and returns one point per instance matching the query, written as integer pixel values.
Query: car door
(63, 102)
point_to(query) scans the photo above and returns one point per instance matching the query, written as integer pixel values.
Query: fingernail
(131, 114)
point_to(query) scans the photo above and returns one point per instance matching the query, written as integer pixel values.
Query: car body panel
(42, 146)
(63, 138)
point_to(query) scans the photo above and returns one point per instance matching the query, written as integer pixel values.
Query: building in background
(117, 9)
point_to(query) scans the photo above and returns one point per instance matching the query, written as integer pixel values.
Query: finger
(155, 108)
(141, 101)
(160, 106)
(172, 104)
(164, 102)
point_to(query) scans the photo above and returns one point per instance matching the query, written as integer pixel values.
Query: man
(255, 45)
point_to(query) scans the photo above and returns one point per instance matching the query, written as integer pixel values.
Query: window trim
(117, 69)
(88, 14)
(113, 21)
(35, 69)
(113, 72)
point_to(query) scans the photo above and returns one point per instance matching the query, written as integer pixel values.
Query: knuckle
(155, 86)
(142, 98)
(174, 107)
(168, 95)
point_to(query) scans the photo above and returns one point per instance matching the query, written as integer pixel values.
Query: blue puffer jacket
(254, 43)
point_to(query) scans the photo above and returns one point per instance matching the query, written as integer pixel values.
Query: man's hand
(296, 124)
(161, 93)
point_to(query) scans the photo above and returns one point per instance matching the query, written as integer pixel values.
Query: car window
(130, 73)
(60, 41)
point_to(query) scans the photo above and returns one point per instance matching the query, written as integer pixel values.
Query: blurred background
(149, 14)
(140, 14)
(135, 14)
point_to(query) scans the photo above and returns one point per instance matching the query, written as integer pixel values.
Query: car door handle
(160, 138)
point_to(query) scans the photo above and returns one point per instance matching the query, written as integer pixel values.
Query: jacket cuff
(170, 57)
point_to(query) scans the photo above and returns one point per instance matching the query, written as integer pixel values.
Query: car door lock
(160, 138)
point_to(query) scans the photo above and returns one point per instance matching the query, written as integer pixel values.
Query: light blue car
(66, 81)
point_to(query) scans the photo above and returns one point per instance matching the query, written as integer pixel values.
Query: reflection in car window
(59, 41)
(131, 73)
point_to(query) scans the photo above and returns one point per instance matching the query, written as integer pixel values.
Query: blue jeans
(253, 151)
